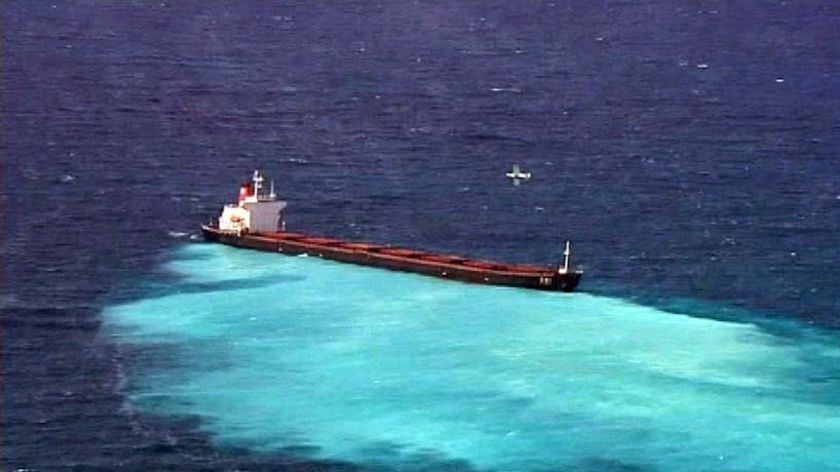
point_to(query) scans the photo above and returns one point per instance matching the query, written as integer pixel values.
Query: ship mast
(258, 180)
(567, 253)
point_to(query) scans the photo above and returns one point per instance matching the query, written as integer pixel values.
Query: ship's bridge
(256, 211)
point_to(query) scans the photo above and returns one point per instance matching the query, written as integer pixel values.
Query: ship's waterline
(380, 368)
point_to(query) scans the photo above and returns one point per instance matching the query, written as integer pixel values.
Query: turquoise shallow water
(325, 360)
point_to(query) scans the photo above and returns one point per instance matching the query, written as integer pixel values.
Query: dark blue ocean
(688, 149)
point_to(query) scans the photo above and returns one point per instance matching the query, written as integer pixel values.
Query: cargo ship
(256, 222)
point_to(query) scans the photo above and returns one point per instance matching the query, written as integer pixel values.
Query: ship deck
(434, 264)
(385, 252)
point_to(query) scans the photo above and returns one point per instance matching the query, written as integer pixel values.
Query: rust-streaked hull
(406, 260)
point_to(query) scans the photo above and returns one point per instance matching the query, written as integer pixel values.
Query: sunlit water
(325, 360)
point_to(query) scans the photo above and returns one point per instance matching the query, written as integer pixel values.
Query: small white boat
(517, 175)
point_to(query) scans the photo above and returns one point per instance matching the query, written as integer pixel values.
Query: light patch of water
(381, 368)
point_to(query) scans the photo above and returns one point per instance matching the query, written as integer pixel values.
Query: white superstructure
(256, 211)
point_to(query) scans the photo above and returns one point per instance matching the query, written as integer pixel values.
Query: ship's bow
(568, 282)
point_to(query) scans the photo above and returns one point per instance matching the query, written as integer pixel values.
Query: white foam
(505, 89)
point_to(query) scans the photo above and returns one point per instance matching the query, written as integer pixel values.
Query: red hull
(406, 260)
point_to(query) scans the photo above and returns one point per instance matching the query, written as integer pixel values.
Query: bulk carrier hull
(400, 259)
